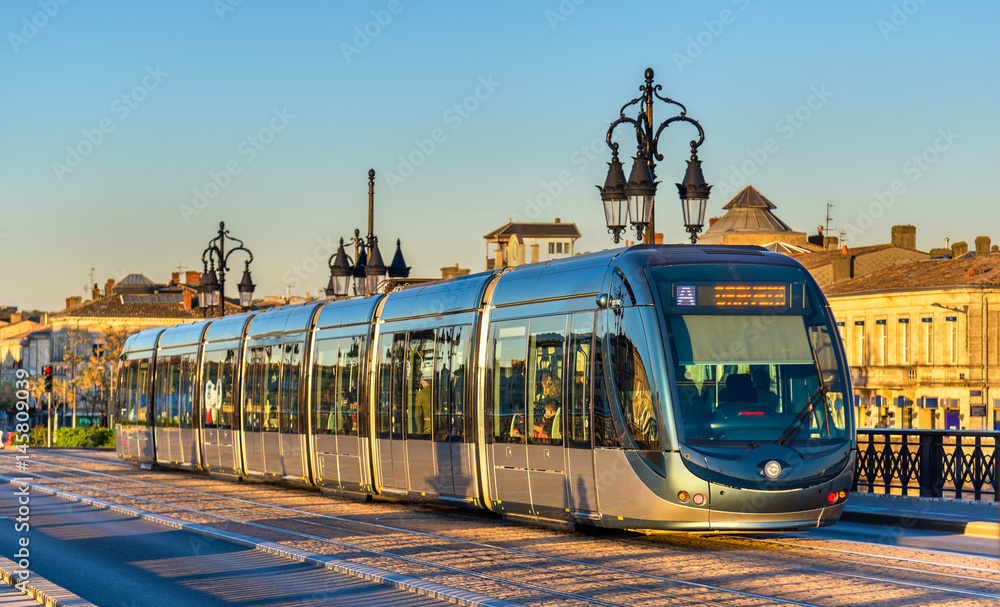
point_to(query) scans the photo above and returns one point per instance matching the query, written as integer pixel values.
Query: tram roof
(185, 334)
(143, 340)
(283, 319)
(442, 297)
(228, 327)
(347, 312)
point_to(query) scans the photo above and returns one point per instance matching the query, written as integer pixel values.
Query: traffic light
(48, 377)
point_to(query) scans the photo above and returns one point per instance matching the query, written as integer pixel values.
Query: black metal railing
(929, 463)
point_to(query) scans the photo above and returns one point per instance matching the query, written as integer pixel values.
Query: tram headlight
(772, 470)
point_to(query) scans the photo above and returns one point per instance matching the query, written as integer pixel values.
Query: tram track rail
(341, 524)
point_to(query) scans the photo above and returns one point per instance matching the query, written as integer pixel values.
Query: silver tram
(653, 387)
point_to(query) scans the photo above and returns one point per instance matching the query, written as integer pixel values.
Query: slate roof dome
(134, 284)
(749, 218)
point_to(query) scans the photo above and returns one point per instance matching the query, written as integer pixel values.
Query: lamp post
(368, 270)
(212, 288)
(632, 201)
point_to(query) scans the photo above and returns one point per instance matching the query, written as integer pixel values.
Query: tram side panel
(539, 414)
(134, 434)
(133, 438)
(338, 436)
(220, 424)
(421, 419)
(272, 430)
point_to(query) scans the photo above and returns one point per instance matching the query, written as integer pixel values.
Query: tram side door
(579, 417)
(453, 465)
(391, 447)
(510, 455)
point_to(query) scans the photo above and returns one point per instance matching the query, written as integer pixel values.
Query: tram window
(399, 350)
(210, 402)
(167, 382)
(631, 378)
(227, 371)
(347, 388)
(510, 353)
(449, 409)
(142, 391)
(272, 387)
(217, 405)
(391, 383)
(419, 384)
(126, 394)
(252, 410)
(580, 350)
(545, 376)
(385, 386)
(289, 406)
(186, 390)
(325, 396)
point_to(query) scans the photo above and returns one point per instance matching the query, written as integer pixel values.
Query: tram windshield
(755, 357)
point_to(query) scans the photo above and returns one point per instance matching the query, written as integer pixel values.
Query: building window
(904, 341)
(859, 330)
(953, 340)
(883, 342)
(552, 248)
(928, 340)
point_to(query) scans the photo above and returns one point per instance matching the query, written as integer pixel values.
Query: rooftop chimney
(175, 279)
(108, 286)
(75, 300)
(712, 220)
(840, 265)
(452, 272)
(959, 248)
(558, 220)
(192, 277)
(905, 237)
(15, 317)
(187, 298)
(982, 245)
(95, 292)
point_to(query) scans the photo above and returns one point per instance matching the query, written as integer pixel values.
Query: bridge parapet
(928, 463)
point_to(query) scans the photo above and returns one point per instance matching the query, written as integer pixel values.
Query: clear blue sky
(300, 102)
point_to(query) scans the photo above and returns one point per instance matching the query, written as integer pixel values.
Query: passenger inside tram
(543, 427)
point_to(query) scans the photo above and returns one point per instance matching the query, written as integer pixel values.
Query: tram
(677, 387)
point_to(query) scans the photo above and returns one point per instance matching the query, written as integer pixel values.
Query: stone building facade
(923, 343)
(514, 244)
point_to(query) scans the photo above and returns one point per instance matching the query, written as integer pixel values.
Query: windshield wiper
(803, 415)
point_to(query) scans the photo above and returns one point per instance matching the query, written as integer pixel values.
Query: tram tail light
(832, 497)
(751, 413)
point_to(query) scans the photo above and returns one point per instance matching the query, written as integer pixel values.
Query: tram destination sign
(732, 295)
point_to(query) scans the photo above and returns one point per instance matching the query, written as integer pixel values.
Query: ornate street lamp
(368, 271)
(212, 289)
(340, 273)
(694, 197)
(246, 288)
(375, 268)
(208, 288)
(398, 268)
(640, 189)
